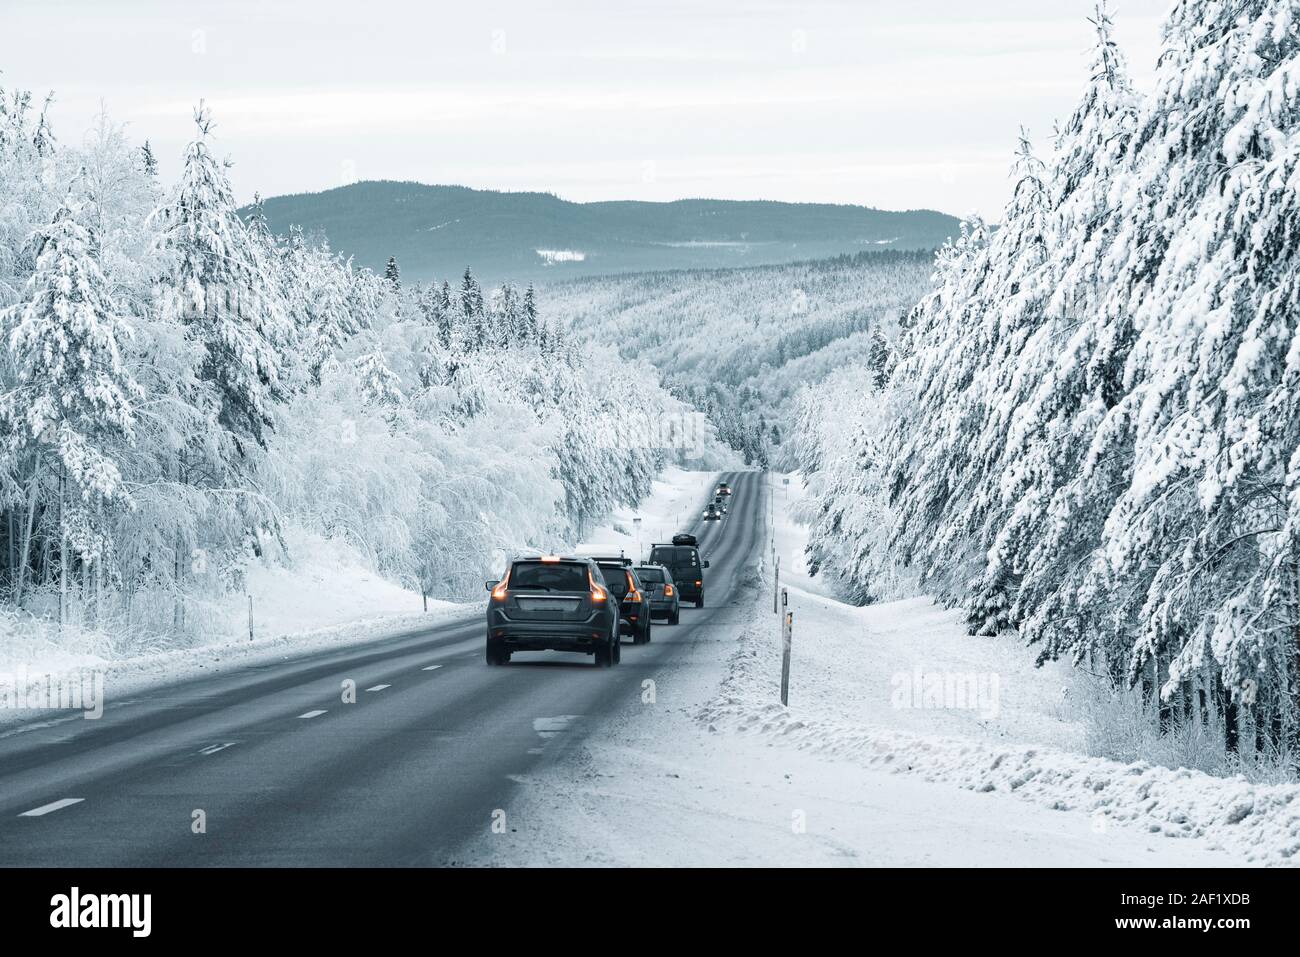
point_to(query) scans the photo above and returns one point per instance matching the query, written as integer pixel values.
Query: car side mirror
(492, 584)
(706, 564)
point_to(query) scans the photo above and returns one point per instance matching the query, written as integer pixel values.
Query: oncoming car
(712, 513)
(552, 603)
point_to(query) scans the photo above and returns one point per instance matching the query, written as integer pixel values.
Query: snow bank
(672, 505)
(855, 696)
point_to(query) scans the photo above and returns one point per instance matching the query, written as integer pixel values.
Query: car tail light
(668, 591)
(698, 584)
(499, 592)
(598, 593)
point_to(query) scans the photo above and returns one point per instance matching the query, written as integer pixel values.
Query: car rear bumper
(583, 636)
(662, 609)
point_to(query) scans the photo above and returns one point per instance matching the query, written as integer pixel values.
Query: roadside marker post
(776, 584)
(787, 633)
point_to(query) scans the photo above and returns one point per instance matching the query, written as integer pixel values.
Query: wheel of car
(648, 625)
(605, 655)
(676, 616)
(496, 655)
(699, 602)
(618, 651)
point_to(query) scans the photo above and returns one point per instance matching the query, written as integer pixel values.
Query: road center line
(52, 806)
(214, 748)
(431, 668)
(313, 714)
(379, 687)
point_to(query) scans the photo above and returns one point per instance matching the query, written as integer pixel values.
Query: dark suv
(633, 601)
(682, 559)
(556, 603)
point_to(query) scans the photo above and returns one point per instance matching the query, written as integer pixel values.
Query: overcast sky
(883, 103)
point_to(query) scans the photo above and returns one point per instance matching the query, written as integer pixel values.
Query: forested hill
(435, 231)
(738, 343)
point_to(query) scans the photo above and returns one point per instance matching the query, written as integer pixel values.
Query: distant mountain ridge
(436, 231)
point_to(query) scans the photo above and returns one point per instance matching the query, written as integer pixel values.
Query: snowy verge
(675, 500)
(857, 693)
(131, 676)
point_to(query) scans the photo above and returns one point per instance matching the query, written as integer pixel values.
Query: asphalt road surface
(282, 772)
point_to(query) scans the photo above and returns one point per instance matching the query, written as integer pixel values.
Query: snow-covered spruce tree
(72, 404)
(379, 384)
(393, 273)
(1053, 382)
(528, 320)
(1198, 545)
(321, 296)
(924, 447)
(878, 358)
(217, 284)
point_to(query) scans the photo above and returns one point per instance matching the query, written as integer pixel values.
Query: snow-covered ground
(865, 768)
(672, 505)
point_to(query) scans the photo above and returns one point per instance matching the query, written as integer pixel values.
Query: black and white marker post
(787, 632)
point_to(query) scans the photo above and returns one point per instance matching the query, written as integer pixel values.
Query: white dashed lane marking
(379, 687)
(431, 668)
(214, 748)
(313, 714)
(550, 727)
(52, 806)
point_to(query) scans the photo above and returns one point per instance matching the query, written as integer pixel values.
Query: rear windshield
(615, 578)
(650, 574)
(677, 557)
(548, 576)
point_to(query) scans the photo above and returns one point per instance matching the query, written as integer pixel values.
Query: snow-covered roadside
(901, 687)
(672, 505)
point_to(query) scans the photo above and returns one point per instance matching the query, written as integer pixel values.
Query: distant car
(665, 600)
(633, 602)
(682, 559)
(720, 503)
(723, 489)
(552, 602)
(712, 513)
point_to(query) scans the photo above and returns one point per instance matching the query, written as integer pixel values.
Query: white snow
(672, 505)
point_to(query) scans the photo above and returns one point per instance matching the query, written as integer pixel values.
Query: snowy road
(279, 771)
